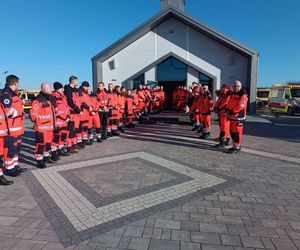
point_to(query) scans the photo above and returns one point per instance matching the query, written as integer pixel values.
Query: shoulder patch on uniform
(36, 106)
(6, 101)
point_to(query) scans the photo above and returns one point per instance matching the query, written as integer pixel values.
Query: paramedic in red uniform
(13, 107)
(205, 108)
(103, 98)
(220, 109)
(3, 133)
(42, 113)
(71, 93)
(62, 113)
(236, 109)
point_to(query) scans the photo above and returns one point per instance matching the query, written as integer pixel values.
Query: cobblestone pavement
(158, 187)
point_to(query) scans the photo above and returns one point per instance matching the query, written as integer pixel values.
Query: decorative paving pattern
(78, 212)
(120, 177)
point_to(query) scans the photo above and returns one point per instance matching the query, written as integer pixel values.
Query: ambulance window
(295, 93)
(280, 93)
(287, 94)
(22, 96)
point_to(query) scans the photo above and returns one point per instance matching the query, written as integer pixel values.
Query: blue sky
(44, 40)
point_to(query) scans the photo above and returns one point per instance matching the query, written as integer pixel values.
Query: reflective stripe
(6, 163)
(15, 129)
(4, 131)
(45, 127)
(238, 119)
(60, 123)
(10, 167)
(45, 116)
(12, 110)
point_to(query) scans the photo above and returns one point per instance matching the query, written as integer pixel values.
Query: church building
(174, 49)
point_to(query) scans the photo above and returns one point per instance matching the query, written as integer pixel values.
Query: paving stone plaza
(158, 186)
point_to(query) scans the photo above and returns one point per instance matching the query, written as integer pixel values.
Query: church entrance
(171, 73)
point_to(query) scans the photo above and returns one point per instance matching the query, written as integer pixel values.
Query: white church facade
(173, 49)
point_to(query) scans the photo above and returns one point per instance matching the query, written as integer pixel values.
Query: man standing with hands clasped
(236, 110)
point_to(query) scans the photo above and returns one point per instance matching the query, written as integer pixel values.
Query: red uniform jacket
(237, 105)
(42, 113)
(62, 110)
(13, 108)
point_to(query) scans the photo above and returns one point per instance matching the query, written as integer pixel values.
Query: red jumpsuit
(75, 109)
(129, 111)
(86, 105)
(3, 131)
(113, 112)
(181, 99)
(42, 113)
(103, 98)
(141, 101)
(62, 113)
(237, 109)
(13, 108)
(121, 109)
(224, 123)
(94, 118)
(205, 105)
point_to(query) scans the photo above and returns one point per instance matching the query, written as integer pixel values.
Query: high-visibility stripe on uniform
(3, 131)
(45, 116)
(45, 127)
(12, 111)
(15, 129)
(60, 123)
(238, 119)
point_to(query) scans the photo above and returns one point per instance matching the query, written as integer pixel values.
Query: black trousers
(103, 119)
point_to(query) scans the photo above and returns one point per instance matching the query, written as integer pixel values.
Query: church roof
(181, 16)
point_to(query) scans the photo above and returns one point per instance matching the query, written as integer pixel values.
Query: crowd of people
(71, 117)
(231, 108)
(68, 118)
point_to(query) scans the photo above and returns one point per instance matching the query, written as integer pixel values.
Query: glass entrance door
(171, 73)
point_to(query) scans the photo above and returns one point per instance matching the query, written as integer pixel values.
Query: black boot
(12, 172)
(64, 149)
(104, 136)
(81, 144)
(21, 170)
(205, 136)
(99, 139)
(4, 182)
(234, 150)
(40, 164)
(87, 142)
(54, 156)
(121, 128)
(109, 134)
(227, 141)
(48, 159)
(115, 132)
(200, 129)
(63, 153)
(196, 127)
(221, 144)
(72, 150)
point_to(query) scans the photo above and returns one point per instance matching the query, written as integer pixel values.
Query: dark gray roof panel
(161, 17)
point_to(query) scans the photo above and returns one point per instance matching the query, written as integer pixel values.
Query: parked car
(285, 98)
